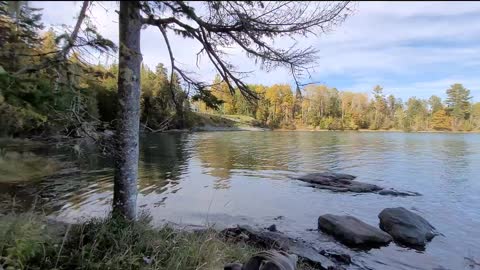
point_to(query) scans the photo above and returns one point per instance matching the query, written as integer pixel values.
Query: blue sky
(410, 48)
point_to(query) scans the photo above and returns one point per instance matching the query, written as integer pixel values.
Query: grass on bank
(29, 241)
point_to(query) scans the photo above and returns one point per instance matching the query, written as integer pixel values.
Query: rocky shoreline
(399, 225)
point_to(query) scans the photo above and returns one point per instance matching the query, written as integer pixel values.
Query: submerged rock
(406, 227)
(326, 177)
(393, 192)
(340, 182)
(352, 231)
(277, 240)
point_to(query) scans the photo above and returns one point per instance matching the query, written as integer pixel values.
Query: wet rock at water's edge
(272, 259)
(277, 240)
(406, 227)
(272, 228)
(352, 231)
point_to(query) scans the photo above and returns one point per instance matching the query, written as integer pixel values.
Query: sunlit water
(228, 178)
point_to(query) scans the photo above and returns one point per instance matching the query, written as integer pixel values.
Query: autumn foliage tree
(441, 121)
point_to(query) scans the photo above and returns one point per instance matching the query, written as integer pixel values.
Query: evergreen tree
(458, 103)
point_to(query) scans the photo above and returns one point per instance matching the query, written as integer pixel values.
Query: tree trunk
(128, 119)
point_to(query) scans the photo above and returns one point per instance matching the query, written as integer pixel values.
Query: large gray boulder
(406, 227)
(352, 231)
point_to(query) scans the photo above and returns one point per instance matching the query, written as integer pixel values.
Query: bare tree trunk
(126, 159)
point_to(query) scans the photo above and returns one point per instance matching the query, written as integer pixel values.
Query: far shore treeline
(79, 96)
(329, 108)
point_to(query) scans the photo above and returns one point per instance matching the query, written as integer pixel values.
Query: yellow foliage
(441, 121)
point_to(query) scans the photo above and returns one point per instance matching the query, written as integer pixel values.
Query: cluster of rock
(340, 182)
(396, 224)
(399, 224)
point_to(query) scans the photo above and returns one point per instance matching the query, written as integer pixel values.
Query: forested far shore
(323, 107)
(75, 97)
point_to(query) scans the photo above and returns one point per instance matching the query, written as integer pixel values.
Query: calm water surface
(227, 178)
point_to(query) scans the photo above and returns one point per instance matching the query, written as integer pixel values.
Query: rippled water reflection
(226, 178)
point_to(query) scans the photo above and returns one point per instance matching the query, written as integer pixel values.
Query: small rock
(272, 228)
(406, 227)
(147, 260)
(352, 231)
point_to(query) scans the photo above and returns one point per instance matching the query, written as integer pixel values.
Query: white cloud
(387, 43)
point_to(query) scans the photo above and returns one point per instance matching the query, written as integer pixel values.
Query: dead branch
(248, 25)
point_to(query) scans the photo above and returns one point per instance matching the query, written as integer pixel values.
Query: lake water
(228, 178)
